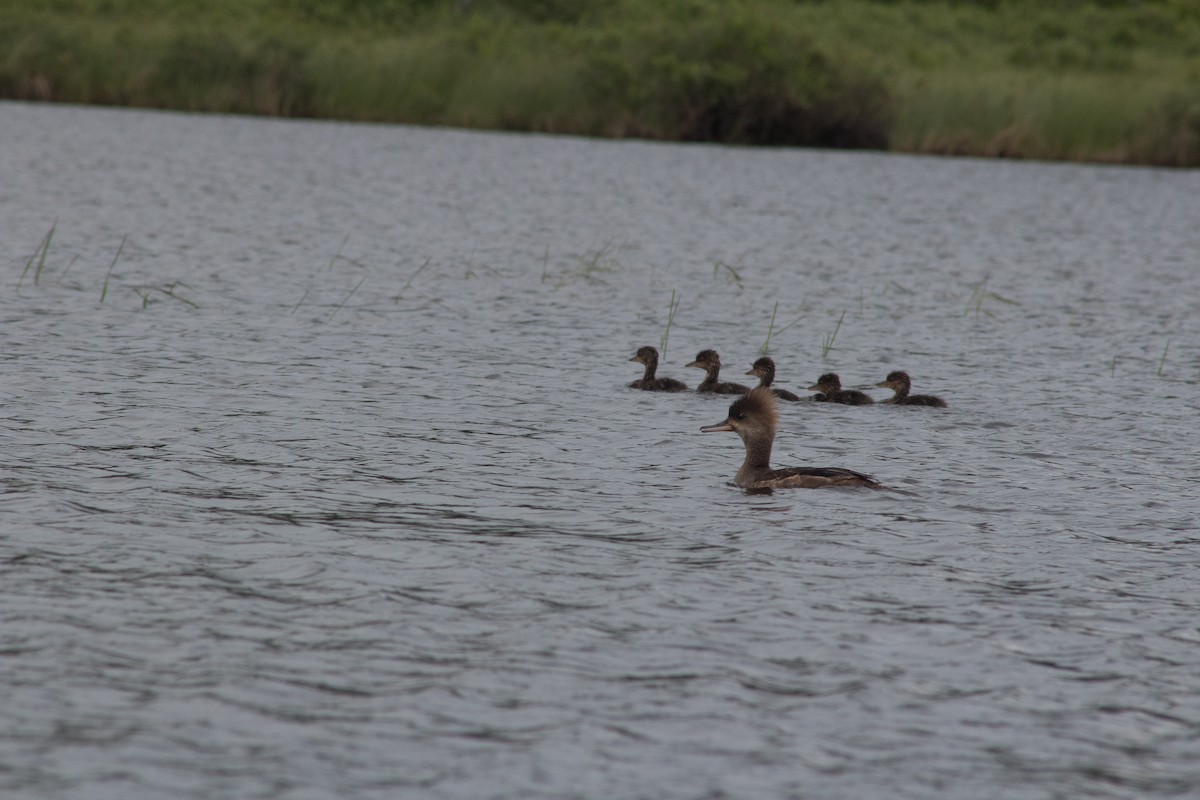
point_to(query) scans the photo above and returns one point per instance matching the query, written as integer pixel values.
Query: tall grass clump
(1073, 117)
(1108, 82)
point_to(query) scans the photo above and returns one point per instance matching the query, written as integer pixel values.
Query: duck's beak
(720, 426)
(633, 358)
(885, 384)
(695, 364)
(816, 387)
(751, 372)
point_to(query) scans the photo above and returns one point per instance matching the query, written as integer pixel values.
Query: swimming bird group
(755, 415)
(828, 387)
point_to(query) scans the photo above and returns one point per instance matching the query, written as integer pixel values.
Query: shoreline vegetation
(1080, 80)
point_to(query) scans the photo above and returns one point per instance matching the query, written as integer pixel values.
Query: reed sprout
(601, 260)
(108, 275)
(590, 265)
(671, 309)
(338, 253)
(147, 293)
(830, 338)
(771, 331)
(346, 299)
(766, 348)
(63, 276)
(303, 297)
(1162, 361)
(981, 294)
(40, 254)
(412, 278)
(169, 291)
(734, 274)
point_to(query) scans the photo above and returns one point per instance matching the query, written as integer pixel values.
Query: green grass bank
(1051, 79)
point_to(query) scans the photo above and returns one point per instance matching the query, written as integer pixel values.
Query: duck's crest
(760, 402)
(898, 375)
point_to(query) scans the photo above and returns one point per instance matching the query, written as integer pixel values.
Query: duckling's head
(753, 416)
(829, 382)
(645, 355)
(706, 359)
(764, 368)
(896, 380)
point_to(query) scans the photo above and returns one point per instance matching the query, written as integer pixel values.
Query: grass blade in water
(42, 248)
(107, 275)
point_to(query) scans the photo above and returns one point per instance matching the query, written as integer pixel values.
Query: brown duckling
(764, 368)
(649, 357)
(754, 417)
(901, 384)
(710, 362)
(830, 387)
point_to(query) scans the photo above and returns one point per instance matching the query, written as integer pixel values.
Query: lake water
(321, 477)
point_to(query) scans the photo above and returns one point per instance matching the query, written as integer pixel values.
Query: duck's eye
(739, 415)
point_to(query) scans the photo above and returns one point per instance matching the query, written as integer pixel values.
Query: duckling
(710, 362)
(830, 390)
(649, 357)
(754, 417)
(901, 384)
(764, 368)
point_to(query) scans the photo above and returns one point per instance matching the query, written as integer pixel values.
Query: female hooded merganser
(649, 357)
(901, 384)
(710, 362)
(764, 368)
(830, 387)
(753, 417)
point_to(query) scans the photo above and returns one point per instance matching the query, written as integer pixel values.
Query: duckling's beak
(885, 384)
(816, 387)
(633, 358)
(751, 372)
(696, 364)
(720, 426)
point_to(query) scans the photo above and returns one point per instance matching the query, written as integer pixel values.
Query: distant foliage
(210, 71)
(355, 12)
(733, 76)
(1099, 80)
(1172, 137)
(345, 12)
(559, 11)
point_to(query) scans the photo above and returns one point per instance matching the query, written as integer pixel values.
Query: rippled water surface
(321, 477)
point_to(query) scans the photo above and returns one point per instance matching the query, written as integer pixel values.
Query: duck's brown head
(764, 370)
(896, 380)
(827, 383)
(752, 416)
(706, 359)
(645, 355)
